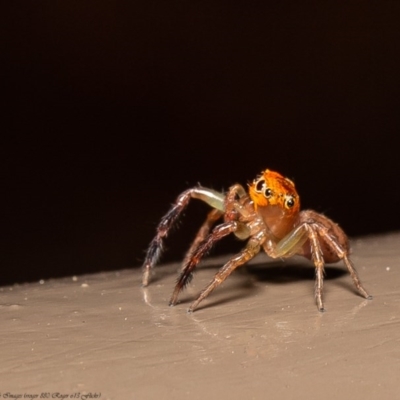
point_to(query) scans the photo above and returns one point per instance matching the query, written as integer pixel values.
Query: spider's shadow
(277, 272)
(272, 272)
(280, 271)
(284, 272)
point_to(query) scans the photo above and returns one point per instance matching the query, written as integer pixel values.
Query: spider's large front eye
(259, 185)
(289, 202)
(268, 193)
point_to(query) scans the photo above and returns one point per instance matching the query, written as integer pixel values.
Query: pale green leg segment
(291, 244)
(211, 197)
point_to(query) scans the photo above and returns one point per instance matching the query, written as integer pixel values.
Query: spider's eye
(289, 203)
(259, 185)
(268, 193)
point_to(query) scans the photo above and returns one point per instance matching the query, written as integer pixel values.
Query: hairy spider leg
(309, 231)
(318, 259)
(292, 244)
(234, 210)
(219, 232)
(238, 210)
(343, 255)
(209, 196)
(230, 213)
(252, 248)
(212, 217)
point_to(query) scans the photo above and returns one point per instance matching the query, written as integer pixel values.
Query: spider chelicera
(269, 218)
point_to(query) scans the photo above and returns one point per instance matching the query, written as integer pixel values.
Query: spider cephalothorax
(268, 217)
(276, 200)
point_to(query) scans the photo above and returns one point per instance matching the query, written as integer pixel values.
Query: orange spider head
(276, 201)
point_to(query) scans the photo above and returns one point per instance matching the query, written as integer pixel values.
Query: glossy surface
(259, 336)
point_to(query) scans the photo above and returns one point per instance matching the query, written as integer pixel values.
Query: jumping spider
(269, 217)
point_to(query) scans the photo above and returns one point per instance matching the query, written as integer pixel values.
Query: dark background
(113, 108)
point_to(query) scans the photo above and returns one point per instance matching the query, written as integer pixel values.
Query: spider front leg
(326, 243)
(292, 244)
(343, 255)
(209, 196)
(318, 259)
